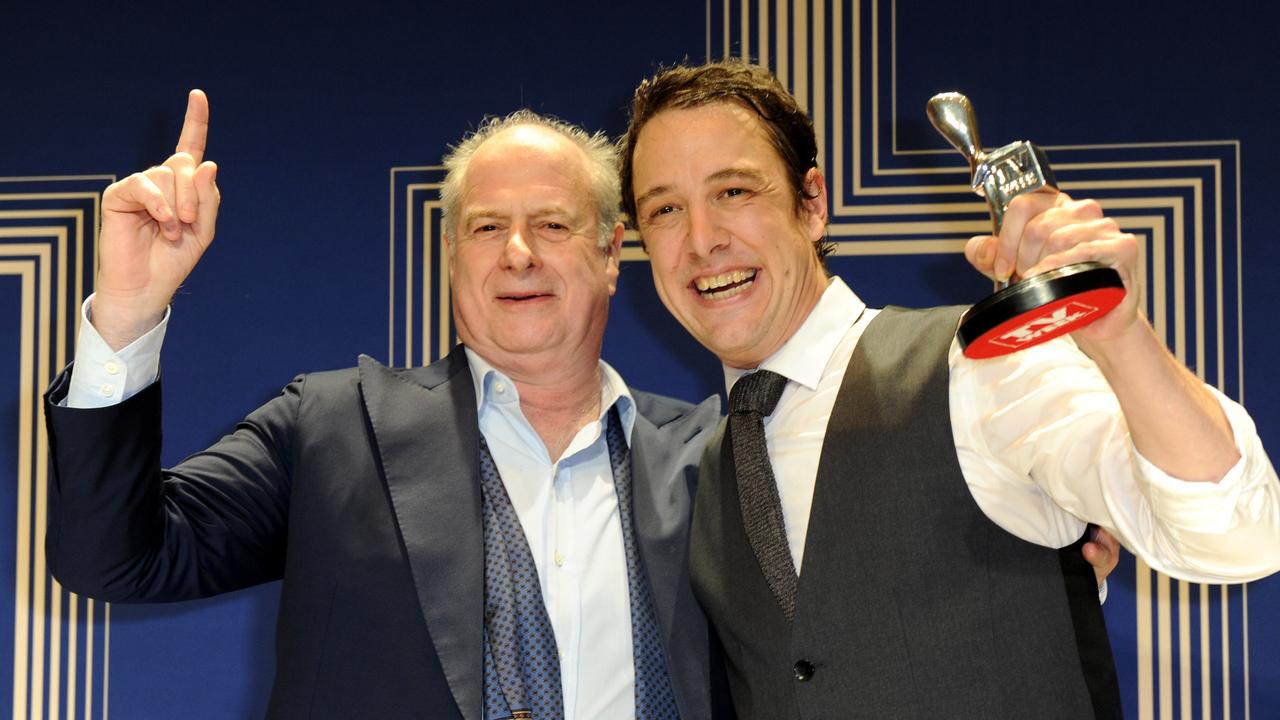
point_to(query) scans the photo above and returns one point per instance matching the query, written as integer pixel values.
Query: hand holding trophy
(1037, 308)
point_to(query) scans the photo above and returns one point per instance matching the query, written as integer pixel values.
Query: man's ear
(814, 203)
(613, 257)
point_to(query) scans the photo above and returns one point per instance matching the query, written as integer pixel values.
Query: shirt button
(500, 387)
(107, 390)
(112, 367)
(803, 670)
(559, 559)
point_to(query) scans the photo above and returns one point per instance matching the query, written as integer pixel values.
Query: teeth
(716, 282)
(722, 294)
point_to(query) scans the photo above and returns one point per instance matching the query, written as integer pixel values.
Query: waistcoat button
(803, 670)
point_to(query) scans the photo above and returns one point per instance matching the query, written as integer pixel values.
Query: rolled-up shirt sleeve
(1234, 519)
(100, 376)
(1044, 448)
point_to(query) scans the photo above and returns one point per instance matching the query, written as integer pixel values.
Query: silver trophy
(1035, 309)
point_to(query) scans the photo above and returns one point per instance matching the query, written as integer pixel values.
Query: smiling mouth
(522, 298)
(725, 285)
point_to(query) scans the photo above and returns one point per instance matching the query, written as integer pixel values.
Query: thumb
(980, 251)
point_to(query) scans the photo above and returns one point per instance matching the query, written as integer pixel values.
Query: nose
(518, 253)
(705, 236)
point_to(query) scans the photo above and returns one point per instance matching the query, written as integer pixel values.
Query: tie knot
(756, 393)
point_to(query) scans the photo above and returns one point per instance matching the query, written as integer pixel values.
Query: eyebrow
(729, 173)
(545, 210)
(472, 215)
(652, 192)
(736, 173)
(538, 212)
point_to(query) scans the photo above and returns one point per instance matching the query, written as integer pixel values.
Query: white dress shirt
(1044, 449)
(568, 510)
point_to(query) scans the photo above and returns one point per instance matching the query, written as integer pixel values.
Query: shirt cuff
(102, 377)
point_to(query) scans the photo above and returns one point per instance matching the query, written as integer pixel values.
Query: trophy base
(1039, 308)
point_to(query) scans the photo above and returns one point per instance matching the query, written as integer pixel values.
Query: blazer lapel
(424, 424)
(664, 461)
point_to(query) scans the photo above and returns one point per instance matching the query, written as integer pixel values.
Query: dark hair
(786, 124)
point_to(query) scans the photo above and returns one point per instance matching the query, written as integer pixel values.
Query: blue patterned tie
(521, 662)
(654, 697)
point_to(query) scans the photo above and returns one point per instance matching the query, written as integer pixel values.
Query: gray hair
(602, 168)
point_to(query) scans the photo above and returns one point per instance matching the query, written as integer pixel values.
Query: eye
(484, 228)
(553, 230)
(735, 192)
(658, 212)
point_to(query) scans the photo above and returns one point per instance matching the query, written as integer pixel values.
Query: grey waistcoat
(911, 602)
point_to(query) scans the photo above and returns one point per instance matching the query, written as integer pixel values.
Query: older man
(500, 534)
(891, 556)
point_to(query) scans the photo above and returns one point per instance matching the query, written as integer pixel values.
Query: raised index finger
(195, 128)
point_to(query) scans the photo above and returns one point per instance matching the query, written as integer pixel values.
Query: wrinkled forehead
(533, 149)
(704, 140)
(723, 123)
(527, 164)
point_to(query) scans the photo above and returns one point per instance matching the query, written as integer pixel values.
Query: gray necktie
(753, 397)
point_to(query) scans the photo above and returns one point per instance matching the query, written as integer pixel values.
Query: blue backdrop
(328, 124)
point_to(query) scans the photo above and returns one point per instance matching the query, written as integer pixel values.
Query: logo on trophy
(1033, 309)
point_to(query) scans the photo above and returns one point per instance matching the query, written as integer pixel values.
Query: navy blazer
(360, 488)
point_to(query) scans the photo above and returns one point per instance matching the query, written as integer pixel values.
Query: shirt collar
(804, 356)
(494, 387)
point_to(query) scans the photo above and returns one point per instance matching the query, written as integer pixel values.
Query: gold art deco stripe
(44, 229)
(31, 579)
(412, 198)
(24, 270)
